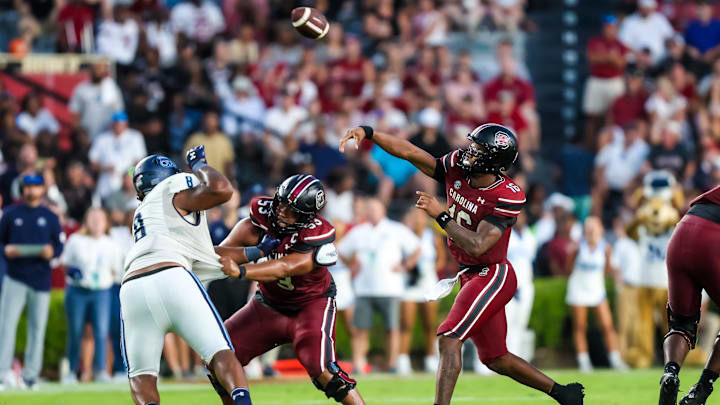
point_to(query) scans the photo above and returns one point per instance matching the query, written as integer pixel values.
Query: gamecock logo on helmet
(320, 199)
(502, 140)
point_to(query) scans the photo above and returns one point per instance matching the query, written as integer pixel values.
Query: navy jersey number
(189, 181)
(139, 227)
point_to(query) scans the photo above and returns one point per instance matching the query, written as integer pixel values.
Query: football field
(602, 388)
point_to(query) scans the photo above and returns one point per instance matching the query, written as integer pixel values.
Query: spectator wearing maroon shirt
(606, 57)
(508, 85)
(630, 106)
(353, 70)
(424, 77)
(75, 19)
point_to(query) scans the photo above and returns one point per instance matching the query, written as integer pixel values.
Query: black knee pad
(339, 385)
(685, 326)
(218, 387)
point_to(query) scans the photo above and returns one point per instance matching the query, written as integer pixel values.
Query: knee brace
(339, 385)
(685, 326)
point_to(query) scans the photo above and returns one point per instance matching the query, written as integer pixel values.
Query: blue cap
(609, 19)
(33, 179)
(120, 116)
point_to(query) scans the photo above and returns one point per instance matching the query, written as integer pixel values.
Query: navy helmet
(150, 171)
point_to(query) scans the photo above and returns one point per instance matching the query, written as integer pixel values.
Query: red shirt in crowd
(602, 44)
(514, 121)
(522, 90)
(73, 18)
(629, 107)
(351, 74)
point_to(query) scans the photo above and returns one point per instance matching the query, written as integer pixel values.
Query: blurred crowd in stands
(266, 103)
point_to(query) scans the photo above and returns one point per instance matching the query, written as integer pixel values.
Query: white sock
(583, 360)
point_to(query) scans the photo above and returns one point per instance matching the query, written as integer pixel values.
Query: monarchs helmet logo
(502, 140)
(320, 199)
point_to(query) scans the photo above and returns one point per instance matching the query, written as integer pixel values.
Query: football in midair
(310, 22)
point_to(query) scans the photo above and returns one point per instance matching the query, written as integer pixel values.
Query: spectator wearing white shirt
(646, 28)
(90, 258)
(664, 106)
(123, 239)
(114, 152)
(243, 109)
(35, 120)
(617, 165)
(198, 20)
(159, 35)
(419, 280)
(286, 117)
(95, 101)
(378, 254)
(118, 38)
(627, 260)
(522, 248)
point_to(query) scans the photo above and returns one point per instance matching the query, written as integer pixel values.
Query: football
(310, 22)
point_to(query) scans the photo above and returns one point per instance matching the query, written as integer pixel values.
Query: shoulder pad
(260, 212)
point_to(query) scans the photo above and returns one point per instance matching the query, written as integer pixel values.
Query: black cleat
(573, 395)
(697, 395)
(669, 384)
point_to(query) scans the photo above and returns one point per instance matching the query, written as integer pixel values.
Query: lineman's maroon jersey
(712, 197)
(293, 292)
(500, 203)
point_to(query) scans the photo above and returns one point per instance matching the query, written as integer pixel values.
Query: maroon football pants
(256, 328)
(693, 264)
(478, 312)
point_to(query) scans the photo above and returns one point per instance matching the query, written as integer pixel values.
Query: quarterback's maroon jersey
(499, 203)
(712, 197)
(292, 292)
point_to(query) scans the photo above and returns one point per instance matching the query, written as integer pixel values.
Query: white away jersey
(163, 235)
(653, 249)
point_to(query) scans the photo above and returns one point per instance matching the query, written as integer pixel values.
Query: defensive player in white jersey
(159, 293)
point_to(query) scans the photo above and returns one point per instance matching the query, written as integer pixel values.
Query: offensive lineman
(295, 302)
(693, 264)
(159, 293)
(483, 206)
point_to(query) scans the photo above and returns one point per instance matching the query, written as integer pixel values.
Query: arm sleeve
(444, 164)
(501, 222)
(182, 181)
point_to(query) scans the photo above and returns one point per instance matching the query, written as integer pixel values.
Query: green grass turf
(602, 388)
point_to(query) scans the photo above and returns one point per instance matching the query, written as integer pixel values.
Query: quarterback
(483, 204)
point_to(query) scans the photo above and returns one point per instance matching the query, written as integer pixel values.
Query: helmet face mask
(301, 197)
(493, 149)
